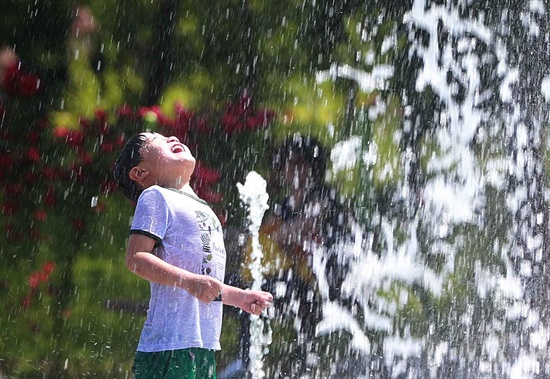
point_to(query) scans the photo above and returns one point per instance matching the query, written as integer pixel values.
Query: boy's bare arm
(251, 301)
(141, 261)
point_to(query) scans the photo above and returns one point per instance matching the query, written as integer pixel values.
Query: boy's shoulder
(152, 193)
(152, 189)
(155, 188)
(170, 194)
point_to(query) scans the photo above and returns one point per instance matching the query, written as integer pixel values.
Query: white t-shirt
(190, 236)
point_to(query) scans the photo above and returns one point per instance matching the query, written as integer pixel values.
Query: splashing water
(466, 255)
(253, 195)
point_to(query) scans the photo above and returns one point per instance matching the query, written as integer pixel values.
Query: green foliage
(311, 108)
(191, 92)
(386, 131)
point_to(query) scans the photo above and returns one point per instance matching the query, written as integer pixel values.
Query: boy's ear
(138, 174)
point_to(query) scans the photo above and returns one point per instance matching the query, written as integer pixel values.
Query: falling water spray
(469, 242)
(254, 196)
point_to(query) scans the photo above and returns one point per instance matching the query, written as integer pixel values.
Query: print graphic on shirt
(209, 226)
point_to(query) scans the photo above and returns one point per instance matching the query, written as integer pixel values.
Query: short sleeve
(152, 215)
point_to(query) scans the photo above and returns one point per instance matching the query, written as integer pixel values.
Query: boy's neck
(184, 188)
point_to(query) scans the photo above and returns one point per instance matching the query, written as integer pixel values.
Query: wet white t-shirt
(190, 236)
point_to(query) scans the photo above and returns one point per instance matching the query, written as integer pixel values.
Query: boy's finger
(264, 303)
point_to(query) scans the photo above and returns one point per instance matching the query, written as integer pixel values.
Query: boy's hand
(205, 288)
(255, 302)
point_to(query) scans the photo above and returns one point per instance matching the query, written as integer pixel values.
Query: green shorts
(194, 363)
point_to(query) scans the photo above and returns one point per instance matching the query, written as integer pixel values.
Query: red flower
(200, 125)
(6, 162)
(48, 267)
(18, 83)
(60, 132)
(180, 109)
(72, 137)
(12, 190)
(9, 208)
(40, 215)
(231, 124)
(28, 84)
(31, 177)
(9, 77)
(126, 112)
(107, 147)
(75, 138)
(33, 135)
(85, 157)
(205, 175)
(50, 172)
(77, 172)
(34, 279)
(101, 117)
(50, 197)
(261, 119)
(222, 217)
(162, 120)
(84, 123)
(33, 154)
(38, 277)
(182, 122)
(45, 274)
(120, 140)
(27, 302)
(182, 113)
(240, 116)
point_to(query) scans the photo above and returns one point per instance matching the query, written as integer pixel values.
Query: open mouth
(178, 149)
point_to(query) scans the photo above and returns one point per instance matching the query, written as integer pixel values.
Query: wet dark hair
(129, 158)
(305, 147)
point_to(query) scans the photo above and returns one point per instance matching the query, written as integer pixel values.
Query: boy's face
(166, 162)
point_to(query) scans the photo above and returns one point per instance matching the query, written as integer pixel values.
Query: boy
(176, 243)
